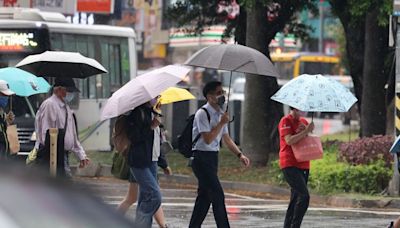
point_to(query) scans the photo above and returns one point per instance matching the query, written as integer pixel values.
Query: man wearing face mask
(205, 151)
(5, 119)
(293, 128)
(54, 112)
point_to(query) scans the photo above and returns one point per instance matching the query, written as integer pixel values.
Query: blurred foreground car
(30, 200)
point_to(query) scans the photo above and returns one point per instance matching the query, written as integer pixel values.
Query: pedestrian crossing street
(242, 210)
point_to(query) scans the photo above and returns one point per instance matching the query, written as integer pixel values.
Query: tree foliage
(193, 16)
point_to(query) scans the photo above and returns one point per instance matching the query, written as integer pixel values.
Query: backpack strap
(198, 136)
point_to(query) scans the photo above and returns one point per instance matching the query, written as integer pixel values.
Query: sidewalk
(270, 191)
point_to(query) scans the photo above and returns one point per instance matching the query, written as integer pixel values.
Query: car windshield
(22, 108)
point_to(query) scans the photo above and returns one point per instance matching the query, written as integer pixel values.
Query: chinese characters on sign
(17, 41)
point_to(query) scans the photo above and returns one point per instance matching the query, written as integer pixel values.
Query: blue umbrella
(315, 93)
(23, 83)
(395, 148)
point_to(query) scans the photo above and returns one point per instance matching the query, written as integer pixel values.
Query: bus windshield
(293, 64)
(318, 68)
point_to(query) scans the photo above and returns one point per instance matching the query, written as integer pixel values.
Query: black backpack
(185, 143)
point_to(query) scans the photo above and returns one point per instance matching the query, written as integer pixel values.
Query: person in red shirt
(293, 128)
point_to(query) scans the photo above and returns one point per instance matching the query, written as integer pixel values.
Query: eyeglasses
(220, 92)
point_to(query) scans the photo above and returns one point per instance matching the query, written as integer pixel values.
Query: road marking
(274, 207)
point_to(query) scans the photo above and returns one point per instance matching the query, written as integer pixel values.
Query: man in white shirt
(54, 112)
(211, 123)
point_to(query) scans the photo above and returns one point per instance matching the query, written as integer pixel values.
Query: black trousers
(299, 199)
(4, 154)
(205, 167)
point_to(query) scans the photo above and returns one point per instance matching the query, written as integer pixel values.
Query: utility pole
(321, 27)
(394, 186)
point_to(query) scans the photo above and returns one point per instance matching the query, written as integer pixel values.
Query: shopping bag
(309, 148)
(12, 136)
(120, 167)
(31, 158)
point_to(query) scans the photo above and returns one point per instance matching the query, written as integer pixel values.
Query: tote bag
(120, 167)
(309, 148)
(12, 136)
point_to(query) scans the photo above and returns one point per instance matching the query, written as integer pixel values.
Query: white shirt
(156, 144)
(51, 114)
(201, 124)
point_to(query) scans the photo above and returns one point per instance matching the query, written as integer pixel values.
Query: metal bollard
(53, 151)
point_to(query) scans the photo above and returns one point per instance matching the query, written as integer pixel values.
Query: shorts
(132, 178)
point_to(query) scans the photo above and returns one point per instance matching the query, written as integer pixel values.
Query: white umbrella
(315, 93)
(61, 64)
(142, 89)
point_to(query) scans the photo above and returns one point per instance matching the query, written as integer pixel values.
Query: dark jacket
(141, 136)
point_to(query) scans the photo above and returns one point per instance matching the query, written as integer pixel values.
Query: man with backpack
(209, 127)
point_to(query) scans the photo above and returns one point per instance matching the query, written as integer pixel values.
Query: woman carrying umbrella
(140, 129)
(159, 157)
(293, 128)
(5, 119)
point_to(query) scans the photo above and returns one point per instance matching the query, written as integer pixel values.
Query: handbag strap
(66, 118)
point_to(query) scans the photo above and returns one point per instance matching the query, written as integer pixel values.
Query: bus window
(69, 43)
(116, 78)
(125, 66)
(317, 68)
(56, 42)
(105, 61)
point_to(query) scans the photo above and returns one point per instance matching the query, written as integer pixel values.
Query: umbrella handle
(10, 103)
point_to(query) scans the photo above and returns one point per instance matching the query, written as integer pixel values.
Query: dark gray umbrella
(29, 198)
(233, 57)
(61, 64)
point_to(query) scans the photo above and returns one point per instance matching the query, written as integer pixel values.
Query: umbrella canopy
(174, 94)
(315, 93)
(61, 64)
(142, 89)
(23, 83)
(233, 57)
(31, 199)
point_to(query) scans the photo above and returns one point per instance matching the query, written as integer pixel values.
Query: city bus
(29, 31)
(293, 64)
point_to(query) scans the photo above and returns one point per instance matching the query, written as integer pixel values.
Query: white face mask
(69, 97)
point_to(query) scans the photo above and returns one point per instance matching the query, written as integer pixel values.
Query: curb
(99, 170)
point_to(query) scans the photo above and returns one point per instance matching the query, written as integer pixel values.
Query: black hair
(211, 87)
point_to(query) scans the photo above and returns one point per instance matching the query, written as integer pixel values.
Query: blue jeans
(149, 195)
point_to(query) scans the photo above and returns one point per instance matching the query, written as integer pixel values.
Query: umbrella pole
(229, 91)
(10, 103)
(312, 117)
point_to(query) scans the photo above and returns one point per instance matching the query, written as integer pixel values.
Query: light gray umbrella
(233, 57)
